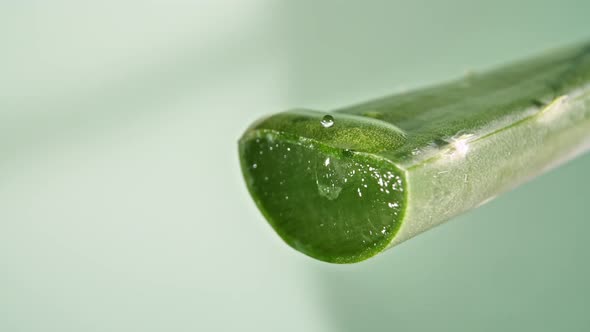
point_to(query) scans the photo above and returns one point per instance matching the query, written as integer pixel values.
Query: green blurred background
(122, 206)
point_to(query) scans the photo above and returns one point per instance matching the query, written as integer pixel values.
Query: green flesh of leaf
(389, 169)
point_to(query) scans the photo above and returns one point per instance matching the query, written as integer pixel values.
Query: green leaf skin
(389, 169)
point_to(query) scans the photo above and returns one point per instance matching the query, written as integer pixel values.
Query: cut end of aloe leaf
(333, 203)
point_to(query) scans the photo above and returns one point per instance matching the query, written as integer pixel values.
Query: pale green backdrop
(121, 201)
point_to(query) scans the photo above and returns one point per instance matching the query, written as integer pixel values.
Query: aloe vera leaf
(345, 185)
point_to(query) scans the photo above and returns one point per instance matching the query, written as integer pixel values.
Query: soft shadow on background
(122, 206)
(518, 263)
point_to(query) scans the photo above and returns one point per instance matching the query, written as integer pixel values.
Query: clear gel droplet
(327, 121)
